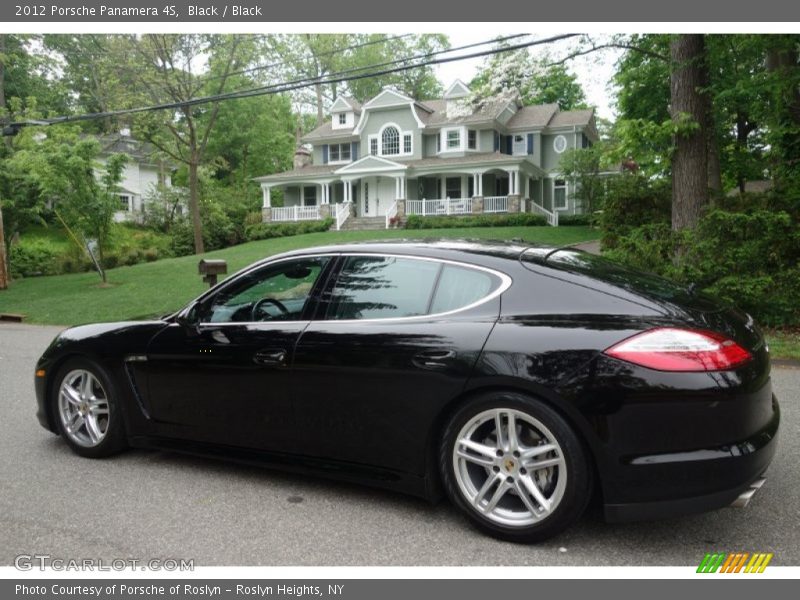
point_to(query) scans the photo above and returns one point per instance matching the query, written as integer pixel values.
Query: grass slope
(152, 289)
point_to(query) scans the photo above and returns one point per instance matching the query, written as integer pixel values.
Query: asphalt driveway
(157, 505)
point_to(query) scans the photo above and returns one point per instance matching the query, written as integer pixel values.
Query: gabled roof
(345, 104)
(371, 163)
(117, 143)
(458, 89)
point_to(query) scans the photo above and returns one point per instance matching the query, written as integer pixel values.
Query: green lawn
(784, 344)
(151, 289)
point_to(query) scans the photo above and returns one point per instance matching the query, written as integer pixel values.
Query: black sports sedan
(519, 381)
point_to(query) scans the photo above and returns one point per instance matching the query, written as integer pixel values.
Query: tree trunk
(194, 206)
(782, 60)
(690, 161)
(3, 260)
(320, 112)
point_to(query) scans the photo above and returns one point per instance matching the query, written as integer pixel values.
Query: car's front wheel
(515, 467)
(86, 409)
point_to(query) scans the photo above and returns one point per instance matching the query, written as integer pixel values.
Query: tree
(64, 168)
(167, 72)
(420, 83)
(538, 80)
(690, 119)
(584, 168)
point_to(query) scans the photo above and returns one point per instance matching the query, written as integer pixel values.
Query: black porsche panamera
(519, 381)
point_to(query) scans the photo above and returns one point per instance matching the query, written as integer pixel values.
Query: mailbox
(210, 268)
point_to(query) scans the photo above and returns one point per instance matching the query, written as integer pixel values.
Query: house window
(453, 187)
(309, 195)
(373, 146)
(339, 153)
(560, 144)
(125, 202)
(453, 139)
(406, 143)
(560, 194)
(390, 141)
(342, 118)
(472, 139)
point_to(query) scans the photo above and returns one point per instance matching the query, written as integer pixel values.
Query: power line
(14, 128)
(203, 80)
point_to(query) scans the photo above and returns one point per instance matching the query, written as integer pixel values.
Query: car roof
(469, 250)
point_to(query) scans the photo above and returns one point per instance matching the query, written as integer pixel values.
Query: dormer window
(390, 141)
(342, 118)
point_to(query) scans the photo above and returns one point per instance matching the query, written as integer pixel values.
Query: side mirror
(189, 318)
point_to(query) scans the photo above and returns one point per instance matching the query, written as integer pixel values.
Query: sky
(594, 71)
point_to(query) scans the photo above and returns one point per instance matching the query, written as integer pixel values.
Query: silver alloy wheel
(509, 467)
(83, 408)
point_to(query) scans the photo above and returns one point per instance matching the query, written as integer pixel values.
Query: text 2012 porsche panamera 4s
(520, 381)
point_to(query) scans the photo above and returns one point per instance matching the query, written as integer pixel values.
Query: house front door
(377, 196)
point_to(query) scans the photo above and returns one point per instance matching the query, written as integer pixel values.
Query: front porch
(374, 188)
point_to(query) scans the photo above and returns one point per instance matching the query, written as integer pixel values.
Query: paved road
(155, 505)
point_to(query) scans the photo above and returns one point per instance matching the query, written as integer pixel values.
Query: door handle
(431, 359)
(270, 357)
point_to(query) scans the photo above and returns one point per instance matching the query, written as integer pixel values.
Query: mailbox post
(210, 268)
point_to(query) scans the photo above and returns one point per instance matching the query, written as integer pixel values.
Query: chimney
(302, 157)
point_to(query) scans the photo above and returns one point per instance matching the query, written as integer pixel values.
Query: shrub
(452, 221)
(749, 257)
(264, 231)
(38, 257)
(584, 220)
(633, 201)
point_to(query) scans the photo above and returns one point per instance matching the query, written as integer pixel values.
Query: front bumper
(700, 480)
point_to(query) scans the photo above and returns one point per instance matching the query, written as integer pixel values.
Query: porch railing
(391, 214)
(295, 213)
(444, 206)
(495, 204)
(552, 217)
(342, 213)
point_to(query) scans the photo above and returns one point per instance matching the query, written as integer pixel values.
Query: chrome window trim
(505, 283)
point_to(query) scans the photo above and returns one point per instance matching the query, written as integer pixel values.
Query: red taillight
(672, 349)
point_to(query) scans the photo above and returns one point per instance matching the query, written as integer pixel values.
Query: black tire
(111, 425)
(513, 519)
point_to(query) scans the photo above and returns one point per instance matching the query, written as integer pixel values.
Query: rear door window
(378, 287)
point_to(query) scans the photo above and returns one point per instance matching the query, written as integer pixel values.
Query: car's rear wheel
(515, 467)
(86, 409)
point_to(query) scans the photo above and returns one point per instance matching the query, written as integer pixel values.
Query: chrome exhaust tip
(744, 498)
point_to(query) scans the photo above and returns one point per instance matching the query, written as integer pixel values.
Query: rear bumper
(714, 477)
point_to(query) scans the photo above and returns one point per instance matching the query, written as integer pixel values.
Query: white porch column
(480, 184)
(396, 187)
(267, 191)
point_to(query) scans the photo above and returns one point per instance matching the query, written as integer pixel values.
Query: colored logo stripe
(734, 562)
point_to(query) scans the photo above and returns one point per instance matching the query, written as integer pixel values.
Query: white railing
(342, 213)
(495, 204)
(446, 206)
(391, 214)
(295, 213)
(552, 217)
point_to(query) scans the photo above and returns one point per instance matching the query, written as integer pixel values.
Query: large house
(143, 171)
(394, 156)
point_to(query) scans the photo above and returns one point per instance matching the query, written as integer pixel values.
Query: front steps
(363, 224)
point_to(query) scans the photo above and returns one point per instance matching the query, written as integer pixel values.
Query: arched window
(390, 141)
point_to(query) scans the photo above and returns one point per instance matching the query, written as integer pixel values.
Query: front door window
(366, 197)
